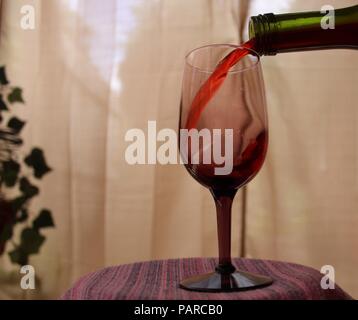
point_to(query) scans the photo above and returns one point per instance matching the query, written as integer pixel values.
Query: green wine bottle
(336, 29)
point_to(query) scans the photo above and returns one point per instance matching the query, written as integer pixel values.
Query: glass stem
(223, 202)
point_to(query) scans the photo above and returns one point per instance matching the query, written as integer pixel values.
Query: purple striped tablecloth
(158, 280)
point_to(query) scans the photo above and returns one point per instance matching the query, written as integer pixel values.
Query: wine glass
(232, 127)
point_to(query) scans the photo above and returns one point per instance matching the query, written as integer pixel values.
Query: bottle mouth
(263, 28)
(205, 59)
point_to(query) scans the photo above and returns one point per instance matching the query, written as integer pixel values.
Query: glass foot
(216, 282)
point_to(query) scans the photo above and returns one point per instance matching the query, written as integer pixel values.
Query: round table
(159, 280)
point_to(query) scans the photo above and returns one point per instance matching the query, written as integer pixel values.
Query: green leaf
(3, 106)
(22, 216)
(28, 189)
(19, 256)
(10, 172)
(7, 219)
(36, 160)
(31, 240)
(3, 78)
(18, 203)
(6, 233)
(15, 96)
(16, 125)
(44, 220)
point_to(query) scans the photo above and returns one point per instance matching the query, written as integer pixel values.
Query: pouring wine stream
(214, 82)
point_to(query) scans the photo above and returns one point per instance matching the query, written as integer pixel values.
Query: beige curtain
(93, 69)
(304, 205)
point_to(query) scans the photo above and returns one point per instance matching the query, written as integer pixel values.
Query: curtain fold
(91, 70)
(303, 206)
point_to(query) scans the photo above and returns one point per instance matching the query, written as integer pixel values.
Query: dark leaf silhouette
(15, 96)
(44, 220)
(3, 106)
(19, 257)
(18, 203)
(5, 234)
(3, 78)
(6, 223)
(10, 172)
(31, 240)
(28, 189)
(16, 125)
(36, 160)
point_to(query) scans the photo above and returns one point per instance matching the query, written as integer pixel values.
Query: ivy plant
(19, 175)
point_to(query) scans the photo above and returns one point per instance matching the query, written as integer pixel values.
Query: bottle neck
(263, 29)
(304, 31)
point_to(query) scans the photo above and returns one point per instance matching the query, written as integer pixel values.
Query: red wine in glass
(222, 90)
